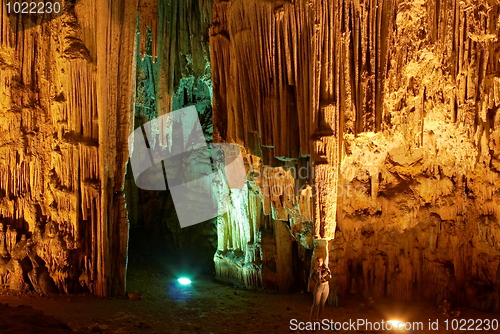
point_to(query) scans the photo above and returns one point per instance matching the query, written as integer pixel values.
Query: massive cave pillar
(67, 103)
(394, 107)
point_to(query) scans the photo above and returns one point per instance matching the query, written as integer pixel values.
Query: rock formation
(66, 105)
(369, 131)
(393, 107)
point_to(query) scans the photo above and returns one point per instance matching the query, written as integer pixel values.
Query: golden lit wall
(395, 105)
(66, 106)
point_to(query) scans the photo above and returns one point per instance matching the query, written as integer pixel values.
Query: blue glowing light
(184, 281)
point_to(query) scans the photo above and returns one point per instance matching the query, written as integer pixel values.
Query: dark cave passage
(157, 241)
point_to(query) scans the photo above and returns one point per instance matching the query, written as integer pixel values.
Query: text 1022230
(33, 7)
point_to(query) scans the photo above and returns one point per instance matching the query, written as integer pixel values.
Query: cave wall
(263, 223)
(66, 105)
(369, 131)
(74, 86)
(392, 105)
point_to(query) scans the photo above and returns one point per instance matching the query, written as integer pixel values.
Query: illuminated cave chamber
(394, 107)
(369, 129)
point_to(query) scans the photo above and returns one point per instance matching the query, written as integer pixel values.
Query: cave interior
(367, 133)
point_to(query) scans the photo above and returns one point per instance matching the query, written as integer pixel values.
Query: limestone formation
(369, 129)
(393, 105)
(71, 85)
(66, 106)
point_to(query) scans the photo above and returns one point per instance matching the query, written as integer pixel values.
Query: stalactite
(269, 198)
(148, 21)
(66, 106)
(396, 107)
(181, 47)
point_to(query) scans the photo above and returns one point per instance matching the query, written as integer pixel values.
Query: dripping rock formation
(369, 131)
(66, 104)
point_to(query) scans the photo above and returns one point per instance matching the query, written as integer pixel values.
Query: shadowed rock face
(394, 107)
(24, 319)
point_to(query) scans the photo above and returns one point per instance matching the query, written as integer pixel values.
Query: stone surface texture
(66, 105)
(393, 108)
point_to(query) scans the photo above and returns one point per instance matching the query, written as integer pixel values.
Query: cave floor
(161, 306)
